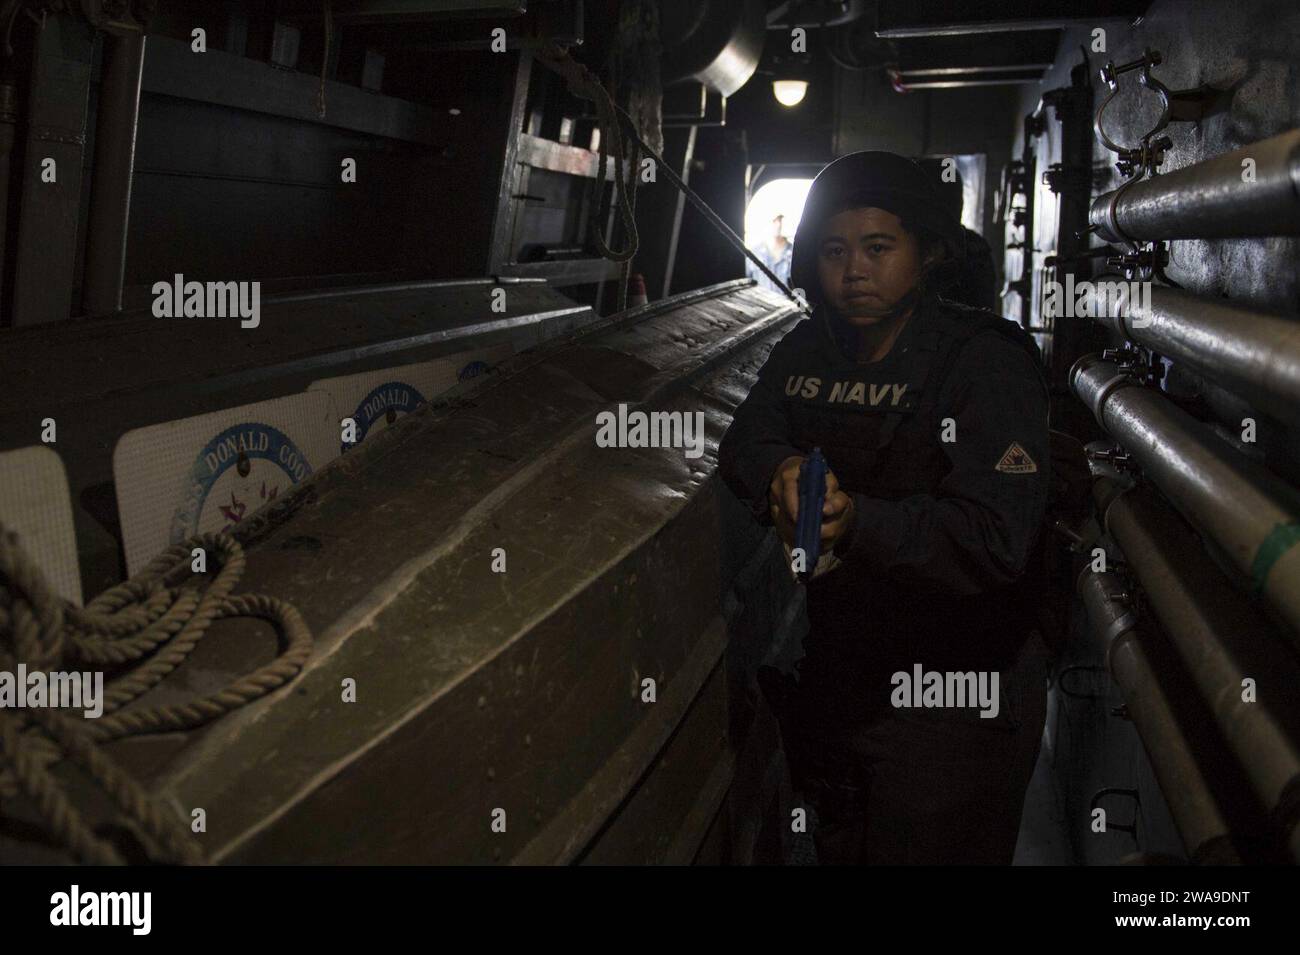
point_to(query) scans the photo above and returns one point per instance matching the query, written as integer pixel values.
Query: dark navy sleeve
(976, 532)
(759, 437)
(978, 282)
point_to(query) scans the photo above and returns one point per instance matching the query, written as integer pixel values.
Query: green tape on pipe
(1279, 540)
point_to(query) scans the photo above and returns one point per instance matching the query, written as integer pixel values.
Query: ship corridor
(337, 327)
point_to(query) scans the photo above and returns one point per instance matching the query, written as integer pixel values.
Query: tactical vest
(878, 426)
(892, 450)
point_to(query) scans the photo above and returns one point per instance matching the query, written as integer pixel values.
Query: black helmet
(883, 180)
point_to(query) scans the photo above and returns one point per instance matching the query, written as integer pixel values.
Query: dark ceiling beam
(814, 13)
(907, 18)
(1036, 69)
(927, 81)
(1007, 51)
(381, 11)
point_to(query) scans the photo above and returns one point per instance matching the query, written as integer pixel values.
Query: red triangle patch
(1016, 460)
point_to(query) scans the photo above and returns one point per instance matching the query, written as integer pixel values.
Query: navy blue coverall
(943, 445)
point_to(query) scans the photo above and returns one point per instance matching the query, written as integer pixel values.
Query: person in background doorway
(776, 255)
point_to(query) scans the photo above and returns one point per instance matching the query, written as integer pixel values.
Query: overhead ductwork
(714, 42)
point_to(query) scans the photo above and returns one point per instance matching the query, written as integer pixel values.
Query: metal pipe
(1210, 199)
(1250, 513)
(386, 288)
(1223, 642)
(1168, 742)
(1253, 354)
(8, 129)
(675, 234)
(110, 192)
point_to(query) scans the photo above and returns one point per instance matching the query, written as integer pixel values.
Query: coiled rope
(152, 621)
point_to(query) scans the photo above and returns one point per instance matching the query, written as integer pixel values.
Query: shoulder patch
(1016, 460)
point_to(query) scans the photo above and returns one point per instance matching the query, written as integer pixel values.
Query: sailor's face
(866, 262)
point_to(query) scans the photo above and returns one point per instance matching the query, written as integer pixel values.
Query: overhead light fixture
(789, 92)
(790, 80)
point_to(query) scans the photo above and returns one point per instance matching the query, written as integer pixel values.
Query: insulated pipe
(1210, 199)
(1253, 354)
(110, 189)
(1203, 829)
(1223, 642)
(1250, 513)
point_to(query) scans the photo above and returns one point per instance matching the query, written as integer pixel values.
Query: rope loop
(145, 627)
(584, 84)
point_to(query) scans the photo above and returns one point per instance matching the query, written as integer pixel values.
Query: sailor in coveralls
(933, 418)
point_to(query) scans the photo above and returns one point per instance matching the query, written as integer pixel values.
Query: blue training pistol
(812, 497)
